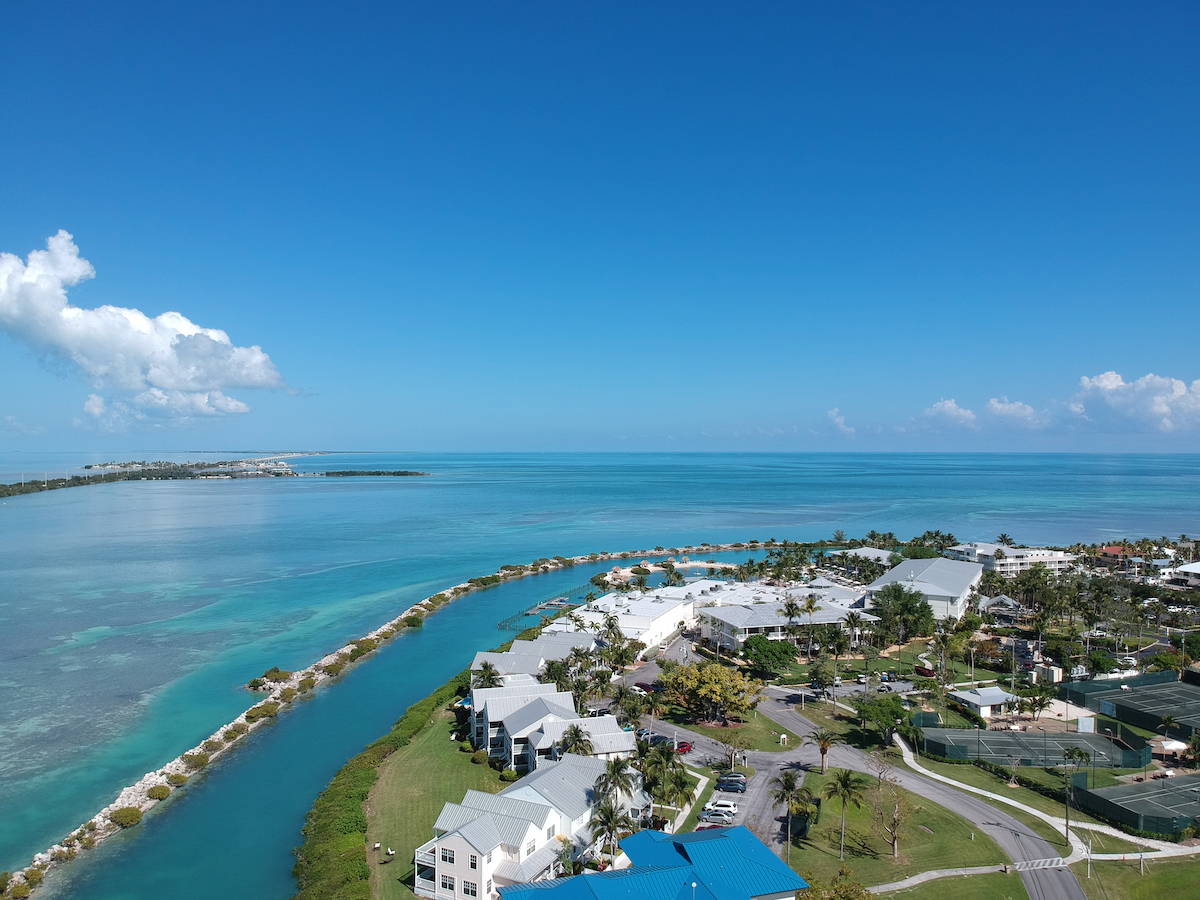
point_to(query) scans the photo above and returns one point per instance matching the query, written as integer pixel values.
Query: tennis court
(1163, 805)
(1029, 748)
(1145, 706)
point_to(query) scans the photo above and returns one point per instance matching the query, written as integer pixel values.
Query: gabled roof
(605, 733)
(939, 577)
(481, 833)
(499, 709)
(527, 718)
(999, 600)
(567, 784)
(507, 821)
(767, 615)
(984, 696)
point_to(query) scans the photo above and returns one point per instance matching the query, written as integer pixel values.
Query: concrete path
(931, 876)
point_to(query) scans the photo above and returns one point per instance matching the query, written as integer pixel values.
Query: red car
(684, 747)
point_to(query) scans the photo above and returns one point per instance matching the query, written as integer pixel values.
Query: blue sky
(601, 227)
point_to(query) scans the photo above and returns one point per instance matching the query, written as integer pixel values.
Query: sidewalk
(1162, 849)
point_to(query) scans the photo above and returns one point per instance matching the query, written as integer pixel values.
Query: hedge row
(332, 863)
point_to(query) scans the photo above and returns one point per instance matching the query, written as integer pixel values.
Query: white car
(721, 805)
(637, 690)
(1128, 661)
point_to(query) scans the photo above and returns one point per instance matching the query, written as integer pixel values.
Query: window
(473, 862)
(489, 859)
(447, 855)
(447, 883)
(529, 850)
(549, 832)
(489, 886)
(469, 889)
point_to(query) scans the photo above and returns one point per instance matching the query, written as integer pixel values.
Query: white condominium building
(1010, 561)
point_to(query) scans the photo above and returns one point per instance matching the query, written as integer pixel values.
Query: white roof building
(985, 701)
(1010, 561)
(490, 840)
(650, 617)
(946, 583)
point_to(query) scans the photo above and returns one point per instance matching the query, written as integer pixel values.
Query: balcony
(424, 887)
(426, 853)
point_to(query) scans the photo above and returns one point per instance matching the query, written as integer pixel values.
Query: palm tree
(608, 821)
(575, 740)
(809, 607)
(1072, 757)
(487, 676)
(1004, 539)
(1168, 722)
(848, 787)
(823, 739)
(616, 779)
(792, 610)
(557, 672)
(1038, 704)
(787, 790)
(681, 789)
(660, 763)
(1193, 749)
(854, 626)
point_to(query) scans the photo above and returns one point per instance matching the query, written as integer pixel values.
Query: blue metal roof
(724, 864)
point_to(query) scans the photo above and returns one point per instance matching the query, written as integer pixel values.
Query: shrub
(87, 842)
(195, 760)
(34, 875)
(334, 668)
(509, 775)
(175, 779)
(5, 878)
(466, 747)
(287, 695)
(212, 746)
(126, 816)
(352, 821)
(231, 735)
(479, 757)
(159, 792)
(265, 710)
(386, 633)
(255, 684)
(63, 854)
(307, 684)
(20, 891)
(414, 621)
(276, 674)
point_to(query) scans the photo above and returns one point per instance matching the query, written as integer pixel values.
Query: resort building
(654, 617)
(730, 626)
(1011, 561)
(521, 724)
(1003, 608)
(985, 702)
(530, 657)
(718, 864)
(946, 584)
(490, 841)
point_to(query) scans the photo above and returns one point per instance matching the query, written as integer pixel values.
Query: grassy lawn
(995, 886)
(945, 844)
(840, 722)
(1164, 878)
(403, 805)
(761, 732)
(977, 777)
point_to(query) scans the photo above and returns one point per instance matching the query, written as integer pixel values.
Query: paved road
(1037, 861)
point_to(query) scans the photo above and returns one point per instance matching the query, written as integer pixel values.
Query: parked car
(717, 817)
(730, 774)
(732, 787)
(645, 686)
(706, 827)
(684, 747)
(727, 805)
(885, 689)
(1128, 661)
(639, 690)
(883, 676)
(644, 734)
(862, 679)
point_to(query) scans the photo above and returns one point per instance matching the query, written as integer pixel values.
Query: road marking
(1052, 863)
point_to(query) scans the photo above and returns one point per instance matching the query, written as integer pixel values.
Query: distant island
(361, 473)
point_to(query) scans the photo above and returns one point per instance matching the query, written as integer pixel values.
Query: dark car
(645, 686)
(732, 787)
(730, 776)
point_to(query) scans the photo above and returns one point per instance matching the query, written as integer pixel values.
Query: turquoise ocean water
(130, 613)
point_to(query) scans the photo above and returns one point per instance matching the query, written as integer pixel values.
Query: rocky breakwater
(281, 688)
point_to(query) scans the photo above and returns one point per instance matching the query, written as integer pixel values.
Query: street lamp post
(1044, 750)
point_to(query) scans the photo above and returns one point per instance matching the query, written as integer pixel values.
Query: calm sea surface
(130, 613)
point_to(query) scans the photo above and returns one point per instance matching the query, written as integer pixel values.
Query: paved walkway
(1160, 849)
(922, 877)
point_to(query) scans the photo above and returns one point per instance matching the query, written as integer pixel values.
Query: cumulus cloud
(840, 421)
(164, 366)
(1016, 412)
(950, 411)
(1167, 404)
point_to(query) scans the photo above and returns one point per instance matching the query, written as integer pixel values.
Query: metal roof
(567, 784)
(938, 577)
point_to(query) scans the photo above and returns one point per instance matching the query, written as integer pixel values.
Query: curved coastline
(283, 694)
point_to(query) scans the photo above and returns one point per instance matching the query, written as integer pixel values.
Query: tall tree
(608, 821)
(575, 740)
(787, 790)
(824, 740)
(848, 787)
(890, 808)
(487, 676)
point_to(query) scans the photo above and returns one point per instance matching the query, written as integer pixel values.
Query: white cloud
(1017, 412)
(839, 421)
(171, 366)
(951, 412)
(1167, 404)
(94, 405)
